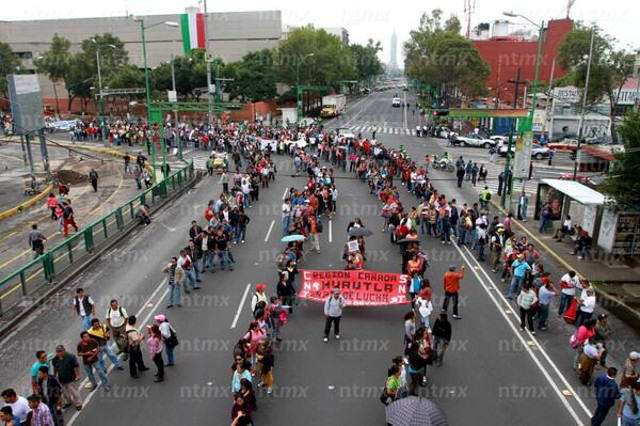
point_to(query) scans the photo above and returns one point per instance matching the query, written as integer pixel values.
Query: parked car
(500, 139)
(443, 132)
(329, 111)
(395, 102)
(474, 140)
(538, 152)
(564, 145)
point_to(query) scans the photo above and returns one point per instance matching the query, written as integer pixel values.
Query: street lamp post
(534, 99)
(103, 125)
(298, 88)
(143, 28)
(584, 104)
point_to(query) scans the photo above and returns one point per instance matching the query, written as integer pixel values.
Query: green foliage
(366, 59)
(254, 77)
(610, 68)
(55, 62)
(8, 65)
(440, 57)
(191, 76)
(622, 182)
(331, 61)
(127, 76)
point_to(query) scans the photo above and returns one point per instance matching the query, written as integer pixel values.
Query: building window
(24, 55)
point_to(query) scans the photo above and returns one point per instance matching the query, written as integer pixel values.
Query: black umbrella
(360, 231)
(415, 411)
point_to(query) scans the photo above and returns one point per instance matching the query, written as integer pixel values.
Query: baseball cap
(160, 318)
(59, 348)
(260, 287)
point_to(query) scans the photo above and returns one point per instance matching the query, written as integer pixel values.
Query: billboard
(26, 103)
(552, 197)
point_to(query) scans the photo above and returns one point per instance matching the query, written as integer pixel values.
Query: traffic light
(439, 112)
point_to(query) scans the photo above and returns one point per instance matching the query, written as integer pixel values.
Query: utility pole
(206, 49)
(506, 187)
(584, 104)
(32, 172)
(43, 150)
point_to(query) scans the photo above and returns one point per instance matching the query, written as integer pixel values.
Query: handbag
(172, 340)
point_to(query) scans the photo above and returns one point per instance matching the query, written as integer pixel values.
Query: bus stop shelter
(568, 197)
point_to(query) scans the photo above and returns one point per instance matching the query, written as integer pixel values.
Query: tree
(254, 77)
(366, 60)
(55, 63)
(621, 182)
(610, 68)
(79, 80)
(442, 58)
(8, 65)
(332, 61)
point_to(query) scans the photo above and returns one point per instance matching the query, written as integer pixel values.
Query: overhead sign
(26, 103)
(486, 112)
(172, 95)
(359, 288)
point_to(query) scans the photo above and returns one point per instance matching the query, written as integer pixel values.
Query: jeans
(86, 322)
(446, 232)
(157, 360)
(462, 235)
(600, 414)
(207, 256)
(88, 371)
(528, 315)
(424, 225)
(565, 302)
(543, 314)
(241, 233)
(445, 304)
(189, 276)
(174, 291)
(516, 286)
(225, 261)
(327, 325)
(106, 350)
(171, 359)
(473, 238)
(135, 361)
(544, 224)
(196, 269)
(286, 222)
(439, 347)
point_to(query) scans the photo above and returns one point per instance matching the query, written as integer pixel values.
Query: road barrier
(43, 271)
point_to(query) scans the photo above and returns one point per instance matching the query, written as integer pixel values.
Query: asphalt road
(493, 373)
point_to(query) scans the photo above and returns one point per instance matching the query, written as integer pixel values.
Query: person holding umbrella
(333, 312)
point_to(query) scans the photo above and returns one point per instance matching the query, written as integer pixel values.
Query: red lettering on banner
(359, 288)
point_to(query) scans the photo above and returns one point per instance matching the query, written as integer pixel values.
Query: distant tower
(393, 59)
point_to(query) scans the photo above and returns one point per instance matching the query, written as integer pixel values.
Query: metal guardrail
(78, 247)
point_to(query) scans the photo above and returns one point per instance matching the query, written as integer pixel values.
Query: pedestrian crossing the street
(492, 183)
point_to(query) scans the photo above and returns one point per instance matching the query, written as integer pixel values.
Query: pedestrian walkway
(383, 130)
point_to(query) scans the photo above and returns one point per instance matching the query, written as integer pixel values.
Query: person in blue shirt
(7, 416)
(607, 392)
(519, 270)
(629, 413)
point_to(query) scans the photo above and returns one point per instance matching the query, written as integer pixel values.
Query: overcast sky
(377, 19)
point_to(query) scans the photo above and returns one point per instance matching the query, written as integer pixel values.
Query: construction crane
(469, 8)
(569, 5)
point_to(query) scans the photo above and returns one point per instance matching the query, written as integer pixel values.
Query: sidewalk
(617, 283)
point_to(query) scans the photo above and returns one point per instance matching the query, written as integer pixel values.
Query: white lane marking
(89, 397)
(269, 231)
(518, 335)
(285, 194)
(330, 231)
(244, 298)
(542, 351)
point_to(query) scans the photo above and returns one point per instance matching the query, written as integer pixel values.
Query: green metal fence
(77, 248)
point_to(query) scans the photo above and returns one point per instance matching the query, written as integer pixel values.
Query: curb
(11, 324)
(14, 210)
(101, 151)
(604, 294)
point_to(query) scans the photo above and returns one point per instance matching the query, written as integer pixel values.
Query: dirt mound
(76, 170)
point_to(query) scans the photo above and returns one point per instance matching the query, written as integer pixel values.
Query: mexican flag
(192, 26)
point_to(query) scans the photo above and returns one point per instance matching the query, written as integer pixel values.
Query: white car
(538, 152)
(475, 140)
(395, 102)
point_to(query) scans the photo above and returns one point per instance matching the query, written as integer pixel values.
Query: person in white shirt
(116, 319)
(286, 217)
(587, 305)
(18, 404)
(565, 229)
(568, 282)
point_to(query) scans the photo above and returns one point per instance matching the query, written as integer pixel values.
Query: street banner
(524, 147)
(264, 143)
(359, 288)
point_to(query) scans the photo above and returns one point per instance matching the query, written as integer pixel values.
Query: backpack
(488, 196)
(172, 340)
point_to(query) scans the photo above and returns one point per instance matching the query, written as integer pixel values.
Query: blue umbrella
(294, 237)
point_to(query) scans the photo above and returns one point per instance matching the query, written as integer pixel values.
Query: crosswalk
(382, 130)
(492, 183)
(200, 162)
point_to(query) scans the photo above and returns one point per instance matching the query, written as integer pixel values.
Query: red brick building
(506, 54)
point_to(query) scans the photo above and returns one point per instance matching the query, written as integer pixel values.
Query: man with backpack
(116, 320)
(485, 197)
(169, 338)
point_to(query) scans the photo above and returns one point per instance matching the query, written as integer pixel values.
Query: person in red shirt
(451, 289)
